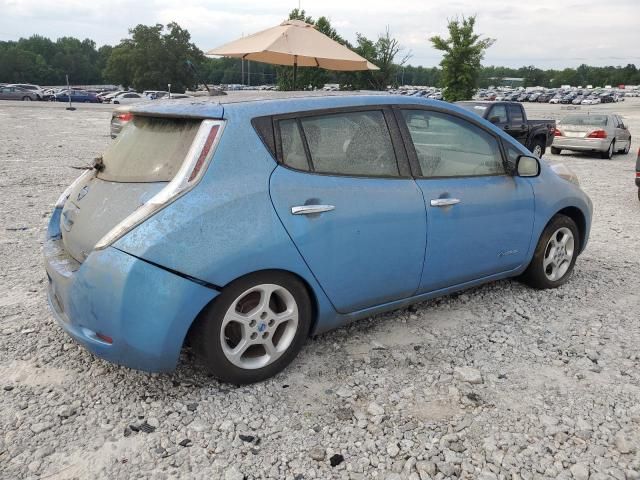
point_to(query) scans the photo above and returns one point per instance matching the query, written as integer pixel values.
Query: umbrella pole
(295, 70)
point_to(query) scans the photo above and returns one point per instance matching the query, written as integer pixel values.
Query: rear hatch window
(149, 150)
(585, 120)
(139, 163)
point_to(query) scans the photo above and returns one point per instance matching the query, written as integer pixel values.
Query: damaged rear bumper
(119, 307)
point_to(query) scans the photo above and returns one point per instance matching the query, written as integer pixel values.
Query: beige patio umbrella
(297, 44)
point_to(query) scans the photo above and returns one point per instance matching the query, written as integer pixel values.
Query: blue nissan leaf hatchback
(246, 225)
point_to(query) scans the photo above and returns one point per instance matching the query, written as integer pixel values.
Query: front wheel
(608, 154)
(556, 151)
(254, 328)
(26, 99)
(555, 254)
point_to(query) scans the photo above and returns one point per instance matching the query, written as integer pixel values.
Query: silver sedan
(9, 92)
(583, 132)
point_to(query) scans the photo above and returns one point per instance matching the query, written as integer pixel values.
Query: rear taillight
(104, 338)
(188, 176)
(125, 117)
(597, 134)
(557, 133)
(213, 133)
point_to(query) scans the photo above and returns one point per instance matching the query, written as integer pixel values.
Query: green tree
(153, 57)
(463, 52)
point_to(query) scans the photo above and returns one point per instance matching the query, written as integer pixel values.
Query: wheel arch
(575, 214)
(313, 299)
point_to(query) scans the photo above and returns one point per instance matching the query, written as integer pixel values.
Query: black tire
(538, 144)
(26, 99)
(626, 149)
(608, 154)
(535, 275)
(205, 336)
(556, 151)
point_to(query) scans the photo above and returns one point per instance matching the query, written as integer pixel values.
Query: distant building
(508, 81)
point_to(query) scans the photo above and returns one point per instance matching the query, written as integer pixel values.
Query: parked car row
(30, 92)
(565, 96)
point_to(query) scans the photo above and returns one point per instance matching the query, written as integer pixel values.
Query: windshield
(597, 120)
(149, 150)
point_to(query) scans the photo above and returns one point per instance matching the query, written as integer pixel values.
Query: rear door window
(149, 150)
(350, 143)
(515, 112)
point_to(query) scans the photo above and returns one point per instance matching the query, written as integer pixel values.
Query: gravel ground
(499, 382)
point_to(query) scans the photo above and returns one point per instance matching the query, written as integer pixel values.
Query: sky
(544, 33)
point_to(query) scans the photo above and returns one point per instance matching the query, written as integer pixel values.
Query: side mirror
(527, 166)
(494, 119)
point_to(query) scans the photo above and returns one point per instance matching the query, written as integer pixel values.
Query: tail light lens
(125, 117)
(557, 133)
(597, 134)
(189, 175)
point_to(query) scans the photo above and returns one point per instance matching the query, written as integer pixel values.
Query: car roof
(272, 103)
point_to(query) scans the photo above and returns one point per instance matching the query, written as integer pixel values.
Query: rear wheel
(556, 151)
(608, 154)
(627, 148)
(555, 254)
(538, 147)
(254, 328)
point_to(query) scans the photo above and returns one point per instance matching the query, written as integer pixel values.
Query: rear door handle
(311, 209)
(444, 202)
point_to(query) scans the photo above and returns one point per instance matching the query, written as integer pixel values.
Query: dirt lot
(500, 382)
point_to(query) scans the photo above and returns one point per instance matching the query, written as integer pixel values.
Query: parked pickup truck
(536, 135)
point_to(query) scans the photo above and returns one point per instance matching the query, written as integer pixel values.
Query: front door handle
(311, 209)
(444, 202)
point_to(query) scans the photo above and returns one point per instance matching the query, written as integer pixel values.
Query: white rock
(375, 409)
(622, 443)
(40, 427)
(392, 450)
(468, 375)
(233, 474)
(317, 453)
(580, 471)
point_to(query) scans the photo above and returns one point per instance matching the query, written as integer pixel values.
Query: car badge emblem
(262, 327)
(82, 193)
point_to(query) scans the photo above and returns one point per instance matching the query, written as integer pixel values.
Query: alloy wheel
(558, 254)
(259, 326)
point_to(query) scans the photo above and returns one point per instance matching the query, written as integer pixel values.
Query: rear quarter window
(149, 150)
(350, 143)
